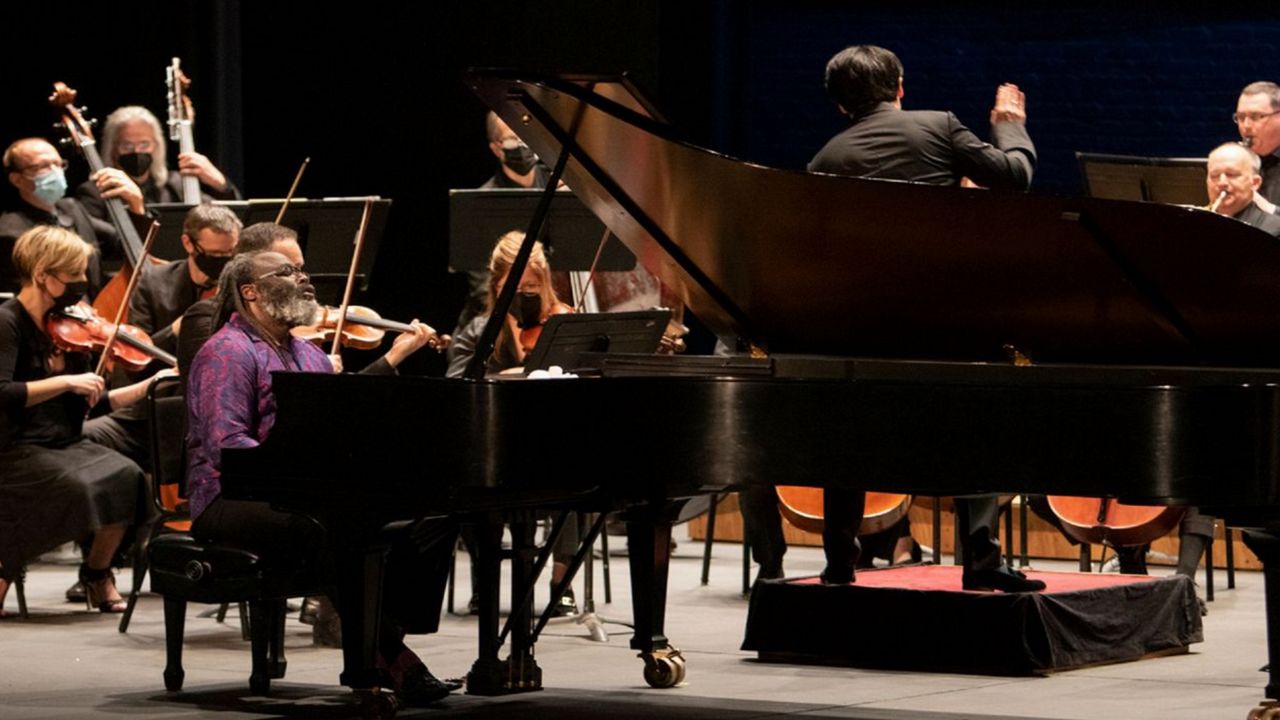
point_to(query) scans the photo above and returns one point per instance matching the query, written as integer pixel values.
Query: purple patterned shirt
(229, 400)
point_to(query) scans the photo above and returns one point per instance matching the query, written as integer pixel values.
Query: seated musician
(534, 302)
(55, 485)
(133, 142)
(885, 141)
(164, 292)
(262, 296)
(1233, 178)
(38, 173)
(1257, 118)
(196, 323)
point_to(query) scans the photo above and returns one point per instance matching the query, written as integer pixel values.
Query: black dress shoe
(831, 576)
(1004, 579)
(76, 593)
(420, 687)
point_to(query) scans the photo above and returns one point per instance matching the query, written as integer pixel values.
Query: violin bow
(351, 276)
(591, 275)
(128, 295)
(292, 189)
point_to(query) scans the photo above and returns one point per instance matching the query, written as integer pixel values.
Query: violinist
(133, 143)
(36, 170)
(55, 485)
(534, 302)
(261, 297)
(164, 292)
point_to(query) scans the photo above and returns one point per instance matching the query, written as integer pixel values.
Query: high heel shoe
(98, 584)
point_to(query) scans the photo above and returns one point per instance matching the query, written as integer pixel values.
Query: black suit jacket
(164, 292)
(69, 214)
(930, 147)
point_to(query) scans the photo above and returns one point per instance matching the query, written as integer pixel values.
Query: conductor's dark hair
(862, 76)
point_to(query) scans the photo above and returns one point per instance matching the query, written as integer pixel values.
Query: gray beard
(289, 309)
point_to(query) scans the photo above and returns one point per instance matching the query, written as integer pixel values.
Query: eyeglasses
(31, 172)
(284, 271)
(1254, 117)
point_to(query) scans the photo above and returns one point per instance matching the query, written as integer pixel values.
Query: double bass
(181, 125)
(112, 297)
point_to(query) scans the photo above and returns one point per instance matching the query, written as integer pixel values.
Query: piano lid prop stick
(1213, 208)
(292, 189)
(128, 293)
(351, 277)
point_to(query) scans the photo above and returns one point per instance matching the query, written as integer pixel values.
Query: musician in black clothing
(56, 486)
(164, 292)
(1235, 174)
(885, 141)
(133, 142)
(518, 168)
(37, 172)
(1257, 117)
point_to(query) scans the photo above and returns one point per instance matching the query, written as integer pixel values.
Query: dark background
(373, 93)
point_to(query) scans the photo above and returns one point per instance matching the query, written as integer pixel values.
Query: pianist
(230, 405)
(885, 141)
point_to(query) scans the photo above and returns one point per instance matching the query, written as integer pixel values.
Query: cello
(802, 507)
(1104, 520)
(112, 297)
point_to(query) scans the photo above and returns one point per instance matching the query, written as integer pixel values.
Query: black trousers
(978, 518)
(417, 569)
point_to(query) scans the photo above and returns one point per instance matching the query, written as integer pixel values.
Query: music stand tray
(565, 337)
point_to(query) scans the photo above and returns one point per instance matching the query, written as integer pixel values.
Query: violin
(79, 328)
(364, 329)
(529, 336)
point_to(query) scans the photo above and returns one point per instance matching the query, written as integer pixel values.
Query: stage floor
(66, 663)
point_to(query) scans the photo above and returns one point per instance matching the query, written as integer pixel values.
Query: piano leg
(360, 598)
(1266, 546)
(490, 675)
(649, 547)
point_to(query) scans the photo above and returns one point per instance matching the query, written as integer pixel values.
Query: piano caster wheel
(663, 668)
(377, 705)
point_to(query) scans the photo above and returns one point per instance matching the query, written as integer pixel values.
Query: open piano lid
(800, 262)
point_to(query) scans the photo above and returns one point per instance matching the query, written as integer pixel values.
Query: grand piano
(906, 338)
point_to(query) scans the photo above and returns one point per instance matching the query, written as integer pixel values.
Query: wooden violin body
(529, 336)
(80, 328)
(1103, 520)
(364, 329)
(802, 507)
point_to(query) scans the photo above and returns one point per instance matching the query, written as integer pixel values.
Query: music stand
(565, 337)
(326, 233)
(477, 218)
(1176, 181)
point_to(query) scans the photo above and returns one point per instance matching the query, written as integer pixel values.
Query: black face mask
(527, 309)
(135, 164)
(519, 158)
(211, 265)
(71, 295)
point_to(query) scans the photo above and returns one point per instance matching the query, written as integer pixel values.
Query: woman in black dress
(56, 486)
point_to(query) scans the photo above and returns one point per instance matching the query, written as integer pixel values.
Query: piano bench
(185, 570)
